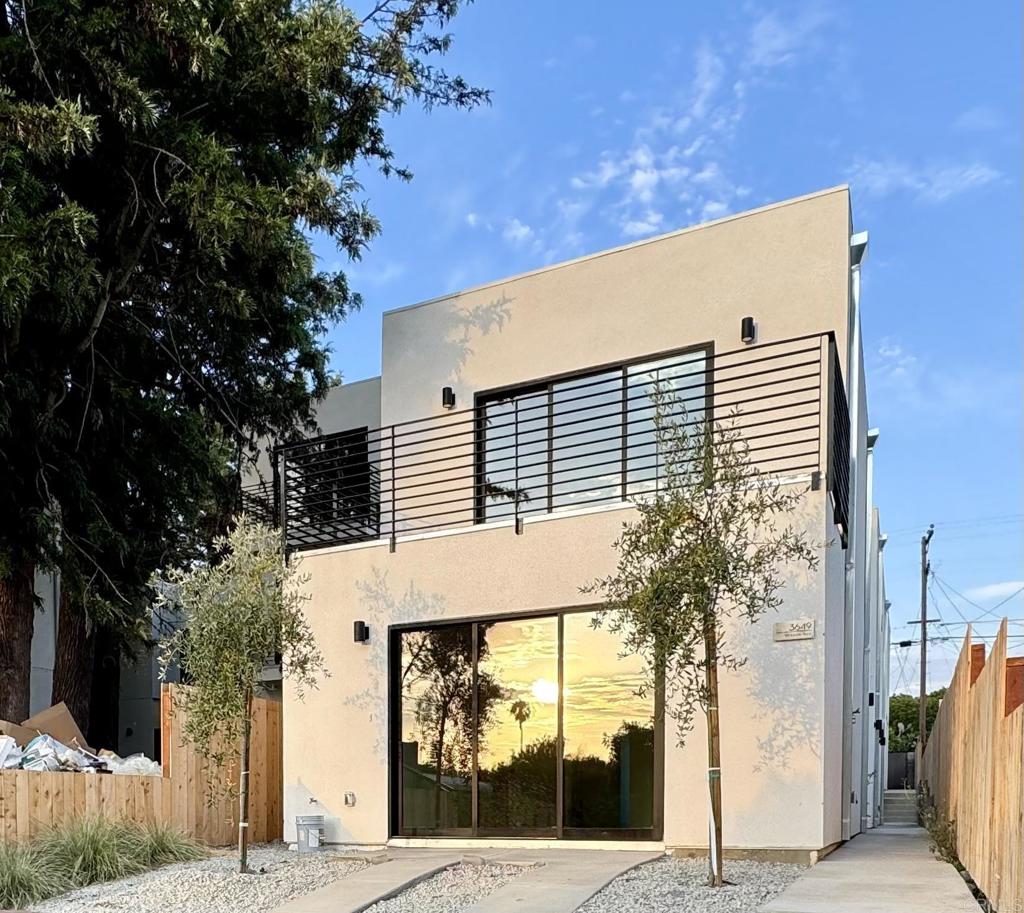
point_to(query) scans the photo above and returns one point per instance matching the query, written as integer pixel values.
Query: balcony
(584, 441)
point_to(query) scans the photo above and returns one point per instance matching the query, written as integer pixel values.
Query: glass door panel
(608, 731)
(436, 678)
(517, 701)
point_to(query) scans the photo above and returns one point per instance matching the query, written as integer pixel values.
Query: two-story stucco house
(454, 506)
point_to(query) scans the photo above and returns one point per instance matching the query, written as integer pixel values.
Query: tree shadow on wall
(453, 333)
(783, 685)
(380, 606)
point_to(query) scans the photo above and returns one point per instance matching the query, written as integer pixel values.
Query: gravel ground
(450, 891)
(680, 886)
(211, 885)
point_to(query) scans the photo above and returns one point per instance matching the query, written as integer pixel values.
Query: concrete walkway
(559, 880)
(886, 870)
(563, 880)
(380, 881)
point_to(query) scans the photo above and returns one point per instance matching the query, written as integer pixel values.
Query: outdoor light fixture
(747, 330)
(361, 632)
(447, 397)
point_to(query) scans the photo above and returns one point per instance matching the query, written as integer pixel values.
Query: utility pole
(922, 710)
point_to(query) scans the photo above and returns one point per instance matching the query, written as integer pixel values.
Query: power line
(974, 637)
(945, 583)
(1001, 519)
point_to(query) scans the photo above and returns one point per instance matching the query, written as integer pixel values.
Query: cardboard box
(58, 722)
(21, 734)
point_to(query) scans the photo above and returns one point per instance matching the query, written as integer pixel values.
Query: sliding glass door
(530, 726)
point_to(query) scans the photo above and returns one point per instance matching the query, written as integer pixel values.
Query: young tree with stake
(709, 545)
(237, 615)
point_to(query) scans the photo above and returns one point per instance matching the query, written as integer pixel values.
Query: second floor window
(580, 441)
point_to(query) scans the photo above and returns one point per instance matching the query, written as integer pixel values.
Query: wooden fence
(973, 768)
(31, 801)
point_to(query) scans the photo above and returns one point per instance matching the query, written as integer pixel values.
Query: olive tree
(709, 545)
(237, 614)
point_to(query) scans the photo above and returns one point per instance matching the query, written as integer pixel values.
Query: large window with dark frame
(523, 726)
(582, 440)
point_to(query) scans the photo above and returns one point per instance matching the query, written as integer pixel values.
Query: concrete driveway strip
(886, 870)
(375, 882)
(562, 882)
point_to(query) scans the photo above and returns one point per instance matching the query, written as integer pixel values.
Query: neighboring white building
(453, 506)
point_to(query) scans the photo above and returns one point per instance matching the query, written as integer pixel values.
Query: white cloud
(943, 183)
(517, 232)
(709, 71)
(648, 224)
(676, 167)
(979, 119)
(932, 183)
(642, 183)
(903, 384)
(713, 209)
(774, 42)
(607, 170)
(472, 219)
(993, 591)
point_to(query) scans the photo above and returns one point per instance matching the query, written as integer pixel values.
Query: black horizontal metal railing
(259, 500)
(839, 451)
(534, 455)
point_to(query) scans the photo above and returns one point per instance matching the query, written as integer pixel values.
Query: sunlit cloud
(933, 183)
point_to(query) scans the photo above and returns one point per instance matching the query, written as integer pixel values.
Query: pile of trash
(52, 741)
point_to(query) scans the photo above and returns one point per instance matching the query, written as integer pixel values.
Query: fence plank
(973, 768)
(31, 801)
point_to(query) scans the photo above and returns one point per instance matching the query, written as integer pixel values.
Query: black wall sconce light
(361, 631)
(447, 398)
(747, 330)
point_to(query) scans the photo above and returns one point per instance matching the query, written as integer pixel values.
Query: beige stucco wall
(336, 738)
(788, 267)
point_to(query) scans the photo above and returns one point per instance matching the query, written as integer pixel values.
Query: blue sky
(613, 123)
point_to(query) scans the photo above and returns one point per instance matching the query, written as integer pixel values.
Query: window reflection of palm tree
(521, 712)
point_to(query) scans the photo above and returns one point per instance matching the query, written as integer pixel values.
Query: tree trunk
(440, 768)
(17, 614)
(714, 752)
(73, 666)
(243, 789)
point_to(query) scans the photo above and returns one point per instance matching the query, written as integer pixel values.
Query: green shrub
(86, 851)
(161, 844)
(27, 877)
(941, 831)
(92, 849)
